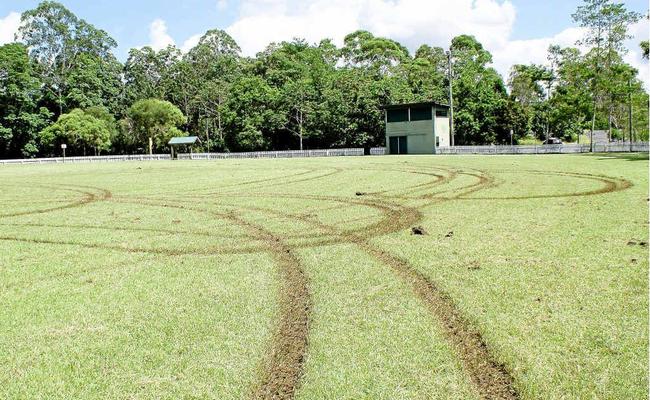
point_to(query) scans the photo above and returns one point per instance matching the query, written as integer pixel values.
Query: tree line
(61, 83)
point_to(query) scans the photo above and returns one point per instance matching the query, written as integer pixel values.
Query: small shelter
(182, 141)
(416, 128)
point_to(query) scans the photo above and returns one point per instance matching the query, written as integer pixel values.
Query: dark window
(421, 114)
(400, 115)
(441, 113)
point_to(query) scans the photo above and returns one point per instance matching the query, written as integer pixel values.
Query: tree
(479, 94)
(571, 100)
(607, 24)
(155, 121)
(427, 74)
(363, 49)
(20, 116)
(210, 68)
(60, 43)
(79, 129)
(528, 90)
(147, 73)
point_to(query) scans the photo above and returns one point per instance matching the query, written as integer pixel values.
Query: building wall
(419, 135)
(442, 131)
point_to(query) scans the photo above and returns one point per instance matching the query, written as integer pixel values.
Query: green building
(416, 128)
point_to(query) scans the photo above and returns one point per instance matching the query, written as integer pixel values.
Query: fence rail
(517, 149)
(546, 149)
(273, 154)
(537, 149)
(57, 160)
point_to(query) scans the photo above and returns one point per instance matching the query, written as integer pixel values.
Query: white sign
(64, 146)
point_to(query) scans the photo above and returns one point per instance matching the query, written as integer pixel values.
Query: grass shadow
(619, 156)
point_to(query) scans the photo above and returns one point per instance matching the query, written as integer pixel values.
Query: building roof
(409, 105)
(184, 140)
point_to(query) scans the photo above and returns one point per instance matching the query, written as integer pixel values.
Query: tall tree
(479, 94)
(59, 41)
(607, 24)
(214, 63)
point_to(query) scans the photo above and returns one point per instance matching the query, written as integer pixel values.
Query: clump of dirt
(418, 230)
(449, 234)
(361, 193)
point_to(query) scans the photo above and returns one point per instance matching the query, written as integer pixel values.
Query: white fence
(517, 149)
(57, 160)
(273, 154)
(537, 149)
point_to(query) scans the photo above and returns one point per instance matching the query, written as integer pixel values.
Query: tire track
(283, 367)
(490, 378)
(610, 185)
(88, 197)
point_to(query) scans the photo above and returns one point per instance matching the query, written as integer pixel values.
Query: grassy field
(304, 278)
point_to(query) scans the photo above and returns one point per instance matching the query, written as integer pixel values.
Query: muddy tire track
(283, 367)
(610, 184)
(88, 197)
(490, 378)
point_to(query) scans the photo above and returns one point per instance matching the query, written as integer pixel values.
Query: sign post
(63, 147)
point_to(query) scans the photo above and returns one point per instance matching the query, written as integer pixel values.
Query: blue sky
(514, 31)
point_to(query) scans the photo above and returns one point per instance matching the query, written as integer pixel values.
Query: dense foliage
(63, 83)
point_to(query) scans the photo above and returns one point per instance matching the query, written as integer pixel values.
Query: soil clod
(449, 234)
(361, 193)
(418, 230)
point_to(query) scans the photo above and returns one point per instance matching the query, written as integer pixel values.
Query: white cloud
(190, 42)
(9, 27)
(158, 35)
(529, 51)
(222, 5)
(411, 22)
(639, 32)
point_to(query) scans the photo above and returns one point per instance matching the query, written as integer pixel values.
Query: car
(553, 140)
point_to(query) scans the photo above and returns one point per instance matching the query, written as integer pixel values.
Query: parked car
(553, 140)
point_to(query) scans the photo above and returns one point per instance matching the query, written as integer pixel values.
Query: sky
(514, 31)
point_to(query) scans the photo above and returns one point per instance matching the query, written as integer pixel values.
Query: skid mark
(88, 197)
(490, 378)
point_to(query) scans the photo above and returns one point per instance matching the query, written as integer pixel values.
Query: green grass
(156, 290)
